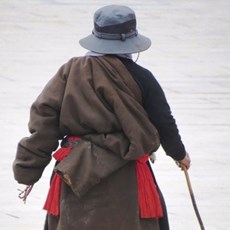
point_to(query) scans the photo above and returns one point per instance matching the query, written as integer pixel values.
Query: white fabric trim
(94, 54)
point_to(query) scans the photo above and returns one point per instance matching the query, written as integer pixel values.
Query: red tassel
(148, 198)
(52, 204)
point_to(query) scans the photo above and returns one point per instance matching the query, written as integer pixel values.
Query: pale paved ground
(190, 56)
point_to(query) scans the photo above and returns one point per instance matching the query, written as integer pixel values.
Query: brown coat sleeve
(34, 152)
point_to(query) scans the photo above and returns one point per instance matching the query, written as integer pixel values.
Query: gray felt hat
(115, 32)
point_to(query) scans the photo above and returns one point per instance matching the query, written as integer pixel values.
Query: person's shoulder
(146, 73)
(68, 65)
(140, 68)
(75, 61)
(82, 59)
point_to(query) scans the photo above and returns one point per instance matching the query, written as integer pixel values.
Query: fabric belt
(148, 197)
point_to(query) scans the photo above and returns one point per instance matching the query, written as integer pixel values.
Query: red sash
(148, 198)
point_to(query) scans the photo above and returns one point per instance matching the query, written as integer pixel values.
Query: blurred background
(190, 57)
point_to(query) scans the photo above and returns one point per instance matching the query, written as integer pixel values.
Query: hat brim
(130, 45)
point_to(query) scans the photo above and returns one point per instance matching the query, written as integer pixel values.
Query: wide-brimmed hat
(115, 32)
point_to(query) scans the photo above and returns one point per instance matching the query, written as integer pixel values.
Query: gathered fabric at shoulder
(101, 97)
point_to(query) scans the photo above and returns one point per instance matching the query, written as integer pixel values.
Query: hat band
(109, 36)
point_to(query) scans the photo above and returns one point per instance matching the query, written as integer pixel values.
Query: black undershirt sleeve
(157, 107)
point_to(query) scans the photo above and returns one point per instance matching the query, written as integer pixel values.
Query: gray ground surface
(190, 57)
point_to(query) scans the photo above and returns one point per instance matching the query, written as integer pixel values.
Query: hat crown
(115, 32)
(115, 19)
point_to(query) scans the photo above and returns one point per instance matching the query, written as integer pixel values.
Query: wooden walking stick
(192, 196)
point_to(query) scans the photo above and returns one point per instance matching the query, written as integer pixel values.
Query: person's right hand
(186, 162)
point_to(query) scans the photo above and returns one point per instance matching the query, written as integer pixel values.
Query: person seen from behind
(110, 115)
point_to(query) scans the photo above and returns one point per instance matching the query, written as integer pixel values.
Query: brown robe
(95, 98)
